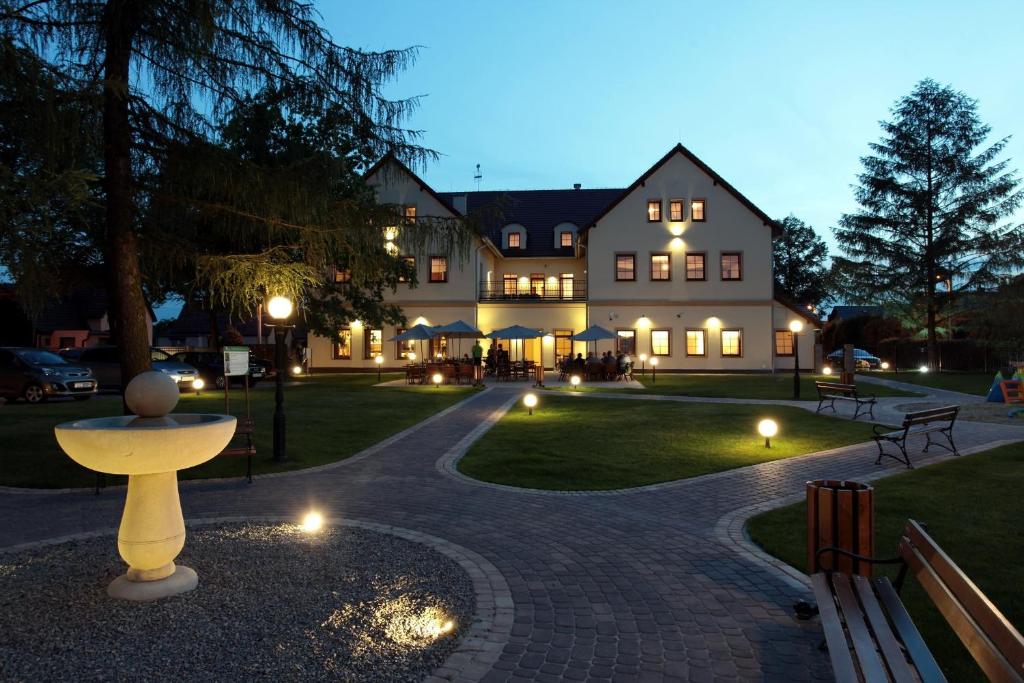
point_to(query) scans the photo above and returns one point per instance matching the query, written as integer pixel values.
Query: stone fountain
(150, 447)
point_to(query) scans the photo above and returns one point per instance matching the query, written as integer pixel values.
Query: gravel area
(273, 603)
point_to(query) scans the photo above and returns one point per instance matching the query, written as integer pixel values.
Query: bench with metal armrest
(927, 422)
(831, 392)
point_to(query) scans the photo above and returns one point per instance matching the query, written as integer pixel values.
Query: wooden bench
(871, 637)
(834, 391)
(241, 444)
(927, 422)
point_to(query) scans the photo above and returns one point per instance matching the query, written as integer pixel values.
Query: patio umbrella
(594, 333)
(515, 332)
(458, 330)
(416, 333)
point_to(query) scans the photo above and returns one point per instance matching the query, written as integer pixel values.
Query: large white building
(678, 265)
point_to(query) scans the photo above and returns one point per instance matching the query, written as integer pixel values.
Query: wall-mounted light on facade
(643, 321)
(676, 230)
(676, 243)
(713, 323)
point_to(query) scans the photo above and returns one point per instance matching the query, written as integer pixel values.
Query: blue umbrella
(459, 330)
(416, 333)
(594, 333)
(515, 332)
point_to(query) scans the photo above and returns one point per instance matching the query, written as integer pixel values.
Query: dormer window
(513, 240)
(565, 238)
(514, 236)
(653, 210)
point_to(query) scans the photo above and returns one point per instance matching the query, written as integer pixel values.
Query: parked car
(861, 358)
(210, 365)
(36, 374)
(104, 363)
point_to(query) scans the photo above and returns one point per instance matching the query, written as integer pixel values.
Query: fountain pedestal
(150, 449)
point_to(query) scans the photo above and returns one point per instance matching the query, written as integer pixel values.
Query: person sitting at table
(578, 364)
(610, 366)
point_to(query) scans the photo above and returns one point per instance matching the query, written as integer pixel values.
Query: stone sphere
(151, 394)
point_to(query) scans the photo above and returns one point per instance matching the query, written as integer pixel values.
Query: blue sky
(781, 98)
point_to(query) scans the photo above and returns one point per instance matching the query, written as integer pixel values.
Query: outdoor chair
(465, 372)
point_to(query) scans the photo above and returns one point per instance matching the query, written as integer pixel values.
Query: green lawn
(773, 387)
(596, 444)
(977, 383)
(971, 509)
(330, 417)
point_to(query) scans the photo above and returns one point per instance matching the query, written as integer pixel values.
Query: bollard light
(574, 381)
(654, 370)
(437, 379)
(885, 365)
(312, 522)
(826, 370)
(767, 429)
(643, 364)
(923, 368)
(296, 369)
(530, 401)
(379, 360)
(198, 384)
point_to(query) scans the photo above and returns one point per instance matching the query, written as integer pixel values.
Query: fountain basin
(131, 445)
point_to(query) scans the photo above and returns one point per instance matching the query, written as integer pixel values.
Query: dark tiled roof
(539, 211)
(851, 312)
(194, 321)
(73, 311)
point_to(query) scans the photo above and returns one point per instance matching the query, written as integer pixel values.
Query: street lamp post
(379, 360)
(643, 364)
(280, 309)
(654, 369)
(795, 327)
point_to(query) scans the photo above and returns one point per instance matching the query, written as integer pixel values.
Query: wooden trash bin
(538, 375)
(840, 514)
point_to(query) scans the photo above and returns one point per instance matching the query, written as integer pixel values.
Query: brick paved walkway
(652, 584)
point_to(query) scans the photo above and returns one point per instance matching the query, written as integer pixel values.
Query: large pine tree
(933, 198)
(799, 261)
(164, 73)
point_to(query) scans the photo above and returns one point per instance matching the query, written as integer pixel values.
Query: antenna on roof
(478, 177)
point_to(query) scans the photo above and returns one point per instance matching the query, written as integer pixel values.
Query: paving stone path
(656, 583)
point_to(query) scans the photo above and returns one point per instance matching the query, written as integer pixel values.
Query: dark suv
(37, 374)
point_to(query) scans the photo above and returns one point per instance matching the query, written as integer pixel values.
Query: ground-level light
(654, 369)
(923, 368)
(312, 522)
(437, 379)
(297, 370)
(767, 429)
(530, 401)
(885, 365)
(574, 381)
(826, 370)
(198, 384)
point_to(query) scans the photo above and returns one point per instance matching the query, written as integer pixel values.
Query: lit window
(697, 210)
(513, 240)
(695, 342)
(625, 342)
(342, 275)
(566, 283)
(732, 343)
(373, 341)
(438, 269)
(732, 265)
(695, 267)
(566, 239)
(343, 345)
(661, 343)
(783, 343)
(403, 348)
(509, 281)
(410, 214)
(654, 210)
(410, 263)
(661, 267)
(625, 267)
(675, 210)
(537, 284)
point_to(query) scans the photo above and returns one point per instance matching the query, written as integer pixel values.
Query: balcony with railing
(562, 291)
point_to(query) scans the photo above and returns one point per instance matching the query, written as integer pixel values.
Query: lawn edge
(355, 457)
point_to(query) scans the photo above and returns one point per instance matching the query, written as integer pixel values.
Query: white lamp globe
(378, 360)
(826, 370)
(767, 428)
(574, 380)
(411, 355)
(654, 361)
(279, 307)
(530, 400)
(796, 327)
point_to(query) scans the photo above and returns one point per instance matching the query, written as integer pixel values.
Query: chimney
(459, 202)
(576, 186)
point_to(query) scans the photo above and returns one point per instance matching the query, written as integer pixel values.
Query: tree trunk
(128, 306)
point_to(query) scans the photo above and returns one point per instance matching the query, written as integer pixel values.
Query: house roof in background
(194, 321)
(538, 211)
(851, 312)
(74, 311)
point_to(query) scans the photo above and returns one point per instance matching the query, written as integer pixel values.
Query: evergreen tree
(934, 197)
(798, 260)
(163, 73)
